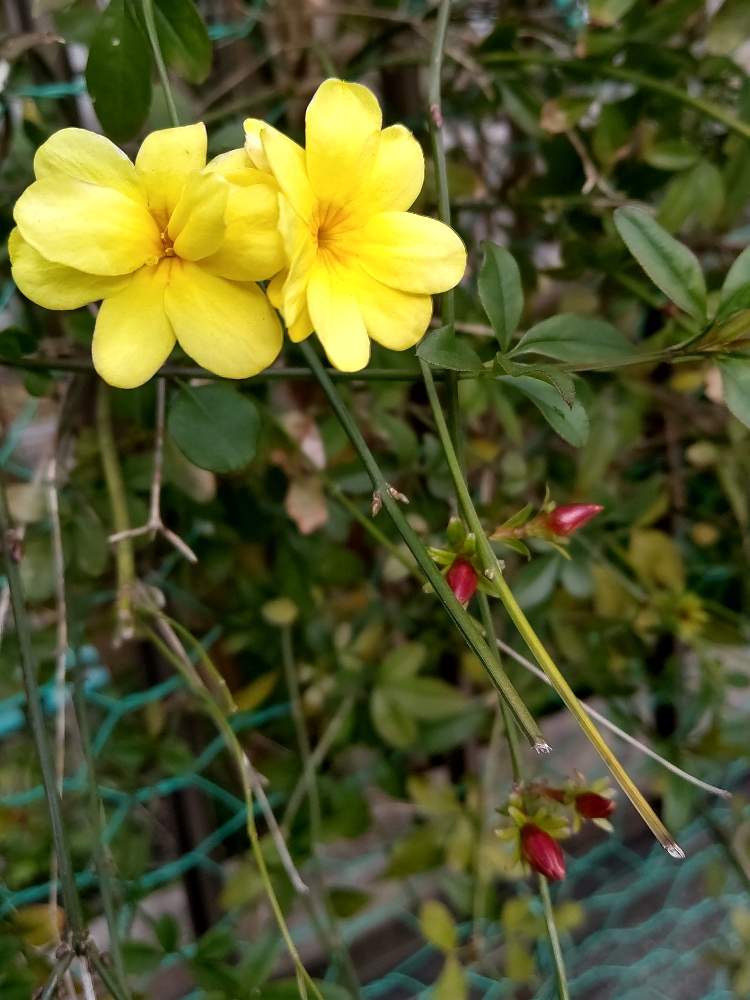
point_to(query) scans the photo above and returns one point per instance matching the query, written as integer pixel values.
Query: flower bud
(462, 579)
(590, 805)
(456, 533)
(570, 517)
(542, 852)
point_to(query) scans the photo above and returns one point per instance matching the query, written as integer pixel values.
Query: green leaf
(403, 661)
(392, 723)
(535, 582)
(500, 292)
(118, 73)
(672, 267)
(452, 982)
(738, 275)
(442, 349)
(183, 38)
(426, 698)
(559, 380)
(438, 926)
(345, 901)
(735, 377)
(214, 426)
(575, 339)
(570, 422)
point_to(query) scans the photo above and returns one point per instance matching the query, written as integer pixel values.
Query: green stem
(194, 682)
(554, 940)
(608, 70)
(58, 971)
(370, 527)
(331, 932)
(510, 726)
(71, 900)
(101, 858)
(193, 371)
(124, 557)
(575, 707)
(149, 18)
(487, 555)
(104, 972)
(463, 621)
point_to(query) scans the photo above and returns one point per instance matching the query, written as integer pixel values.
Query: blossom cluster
(540, 816)
(175, 247)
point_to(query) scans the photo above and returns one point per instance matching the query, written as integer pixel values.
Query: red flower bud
(542, 852)
(570, 517)
(462, 579)
(593, 806)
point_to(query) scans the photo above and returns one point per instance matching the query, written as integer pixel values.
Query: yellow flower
(172, 246)
(359, 265)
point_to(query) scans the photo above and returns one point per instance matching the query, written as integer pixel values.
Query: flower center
(167, 245)
(330, 230)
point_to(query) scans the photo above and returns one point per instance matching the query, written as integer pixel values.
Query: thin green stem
(193, 371)
(149, 18)
(370, 527)
(331, 932)
(244, 769)
(317, 756)
(463, 621)
(124, 556)
(104, 972)
(58, 971)
(554, 940)
(71, 900)
(510, 726)
(574, 706)
(612, 72)
(101, 857)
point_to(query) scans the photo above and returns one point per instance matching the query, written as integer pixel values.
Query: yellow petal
(236, 167)
(397, 320)
(337, 319)
(287, 163)
(86, 156)
(396, 177)
(165, 161)
(301, 252)
(91, 228)
(54, 286)
(301, 328)
(228, 328)
(253, 143)
(342, 134)
(275, 289)
(251, 249)
(133, 337)
(411, 252)
(197, 224)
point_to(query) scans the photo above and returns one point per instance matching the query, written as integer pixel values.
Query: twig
(155, 525)
(330, 929)
(71, 901)
(124, 557)
(149, 19)
(59, 970)
(255, 780)
(608, 724)
(318, 755)
(87, 982)
(554, 939)
(61, 651)
(461, 619)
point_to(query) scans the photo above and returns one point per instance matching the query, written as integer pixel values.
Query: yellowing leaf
(256, 692)
(656, 559)
(437, 925)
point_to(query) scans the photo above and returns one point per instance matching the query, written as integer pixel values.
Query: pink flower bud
(542, 852)
(570, 517)
(593, 806)
(462, 579)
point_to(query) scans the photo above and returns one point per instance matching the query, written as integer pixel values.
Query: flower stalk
(463, 621)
